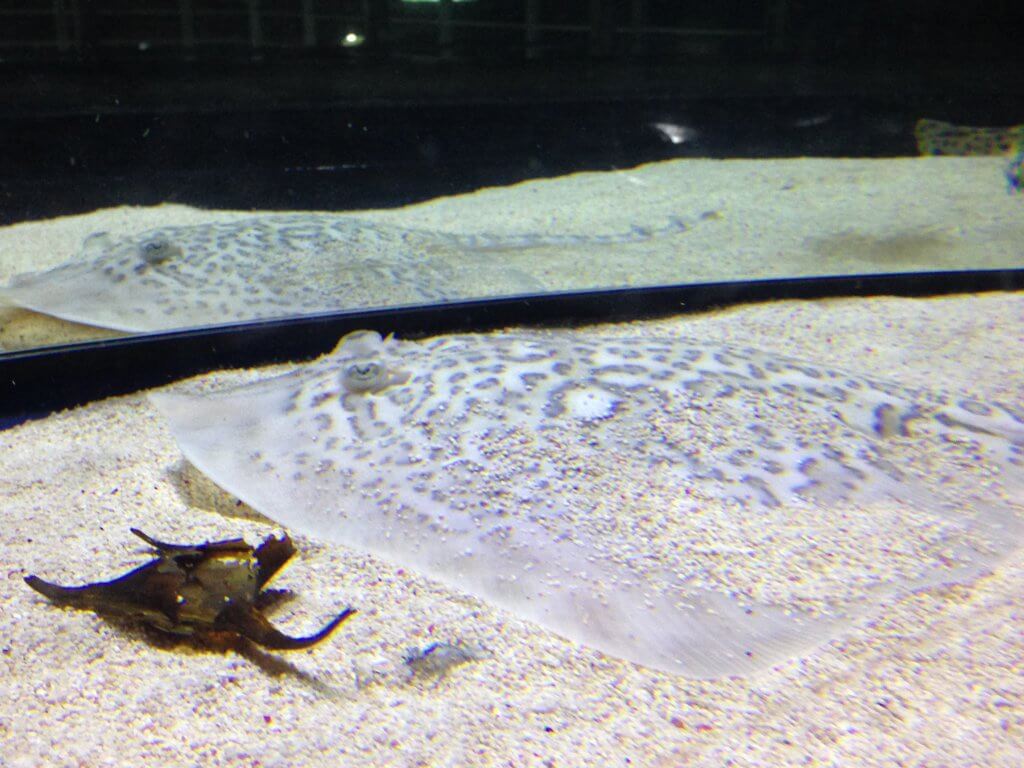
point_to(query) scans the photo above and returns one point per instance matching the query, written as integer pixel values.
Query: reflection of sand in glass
(682, 221)
(282, 265)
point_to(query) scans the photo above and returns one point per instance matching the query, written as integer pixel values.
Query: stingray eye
(364, 376)
(156, 251)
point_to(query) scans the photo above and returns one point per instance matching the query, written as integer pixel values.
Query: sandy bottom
(759, 219)
(937, 678)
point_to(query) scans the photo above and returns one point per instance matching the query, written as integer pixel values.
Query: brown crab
(210, 588)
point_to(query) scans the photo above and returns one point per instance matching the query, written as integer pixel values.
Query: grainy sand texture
(745, 219)
(935, 679)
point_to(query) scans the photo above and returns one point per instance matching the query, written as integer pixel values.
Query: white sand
(747, 218)
(936, 679)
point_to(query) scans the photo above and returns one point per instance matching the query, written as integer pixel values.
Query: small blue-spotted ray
(694, 507)
(277, 265)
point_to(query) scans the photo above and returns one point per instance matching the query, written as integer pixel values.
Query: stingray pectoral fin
(254, 626)
(6, 300)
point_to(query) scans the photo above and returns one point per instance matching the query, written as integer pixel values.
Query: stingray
(699, 508)
(278, 265)
(935, 137)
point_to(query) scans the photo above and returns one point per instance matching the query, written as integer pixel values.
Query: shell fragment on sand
(213, 588)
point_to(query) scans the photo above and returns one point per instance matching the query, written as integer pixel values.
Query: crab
(214, 588)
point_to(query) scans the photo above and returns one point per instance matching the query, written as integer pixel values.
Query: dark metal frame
(38, 382)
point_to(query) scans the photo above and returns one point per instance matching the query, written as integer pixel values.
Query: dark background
(262, 104)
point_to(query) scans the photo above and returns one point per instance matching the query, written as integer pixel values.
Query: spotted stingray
(935, 137)
(276, 265)
(700, 508)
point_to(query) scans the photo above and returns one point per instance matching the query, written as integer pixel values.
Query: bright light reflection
(352, 40)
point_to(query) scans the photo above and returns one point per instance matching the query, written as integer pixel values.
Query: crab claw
(253, 625)
(192, 589)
